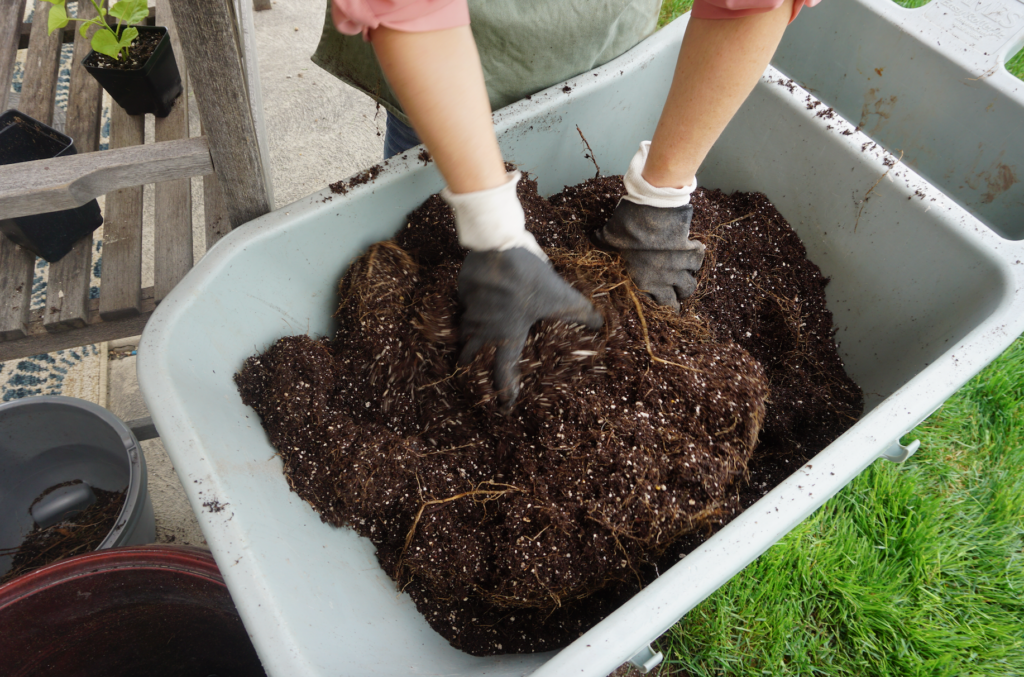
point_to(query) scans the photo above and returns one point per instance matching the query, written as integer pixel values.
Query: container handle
(988, 27)
(898, 453)
(646, 659)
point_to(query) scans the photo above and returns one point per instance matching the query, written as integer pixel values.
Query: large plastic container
(923, 294)
(50, 440)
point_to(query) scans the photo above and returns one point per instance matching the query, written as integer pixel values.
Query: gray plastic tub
(930, 83)
(924, 296)
(51, 440)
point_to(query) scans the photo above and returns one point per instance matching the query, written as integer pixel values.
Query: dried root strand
(491, 494)
(647, 338)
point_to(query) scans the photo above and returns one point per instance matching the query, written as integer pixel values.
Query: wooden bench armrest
(66, 182)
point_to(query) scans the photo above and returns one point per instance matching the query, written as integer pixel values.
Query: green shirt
(525, 45)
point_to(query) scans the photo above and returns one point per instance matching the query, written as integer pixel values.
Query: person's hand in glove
(506, 283)
(650, 229)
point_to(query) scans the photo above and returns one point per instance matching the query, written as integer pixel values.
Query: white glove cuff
(492, 219)
(643, 193)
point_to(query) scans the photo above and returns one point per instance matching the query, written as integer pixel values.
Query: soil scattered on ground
(81, 534)
(627, 447)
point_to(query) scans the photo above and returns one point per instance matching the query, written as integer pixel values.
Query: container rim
(137, 480)
(9, 118)
(187, 559)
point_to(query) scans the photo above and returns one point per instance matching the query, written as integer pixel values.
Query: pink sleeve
(352, 17)
(731, 9)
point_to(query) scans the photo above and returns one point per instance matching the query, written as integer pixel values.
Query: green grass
(912, 570)
(672, 9)
(1016, 65)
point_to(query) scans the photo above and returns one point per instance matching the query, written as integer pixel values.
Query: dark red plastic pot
(158, 611)
(149, 89)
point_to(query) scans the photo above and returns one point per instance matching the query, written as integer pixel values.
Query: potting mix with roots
(627, 447)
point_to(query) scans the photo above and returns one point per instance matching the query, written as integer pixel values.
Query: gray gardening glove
(654, 242)
(505, 293)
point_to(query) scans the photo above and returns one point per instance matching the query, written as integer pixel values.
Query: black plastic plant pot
(50, 235)
(151, 88)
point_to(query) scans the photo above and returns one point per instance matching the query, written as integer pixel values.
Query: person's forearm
(440, 84)
(720, 62)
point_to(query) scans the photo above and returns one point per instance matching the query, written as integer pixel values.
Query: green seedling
(112, 41)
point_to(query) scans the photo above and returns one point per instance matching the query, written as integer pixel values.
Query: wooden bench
(215, 39)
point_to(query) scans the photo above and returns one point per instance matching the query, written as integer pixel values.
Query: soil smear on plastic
(627, 447)
(81, 534)
(342, 187)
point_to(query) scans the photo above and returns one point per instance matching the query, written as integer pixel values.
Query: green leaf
(83, 28)
(58, 18)
(130, 11)
(128, 36)
(140, 13)
(104, 42)
(120, 9)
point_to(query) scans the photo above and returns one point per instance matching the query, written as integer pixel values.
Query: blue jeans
(398, 137)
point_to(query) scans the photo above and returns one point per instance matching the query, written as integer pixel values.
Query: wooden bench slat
(172, 237)
(250, 67)
(38, 340)
(209, 38)
(11, 13)
(67, 288)
(121, 282)
(16, 269)
(85, 96)
(41, 62)
(215, 211)
(15, 264)
(65, 182)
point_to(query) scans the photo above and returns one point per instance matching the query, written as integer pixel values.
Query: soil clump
(83, 533)
(626, 448)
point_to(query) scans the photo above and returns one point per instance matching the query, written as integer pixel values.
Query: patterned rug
(75, 373)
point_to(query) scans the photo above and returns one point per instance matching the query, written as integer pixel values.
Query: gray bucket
(49, 440)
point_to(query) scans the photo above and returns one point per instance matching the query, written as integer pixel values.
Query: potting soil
(627, 447)
(134, 58)
(78, 535)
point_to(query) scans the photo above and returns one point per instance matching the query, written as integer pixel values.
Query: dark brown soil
(138, 54)
(626, 448)
(73, 537)
(342, 187)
